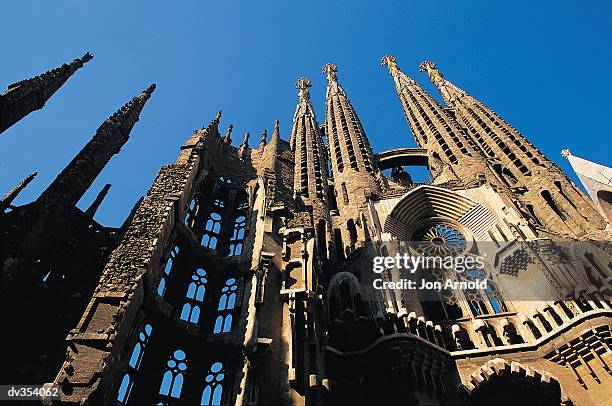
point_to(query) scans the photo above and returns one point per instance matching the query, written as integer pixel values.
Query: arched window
(237, 236)
(227, 302)
(134, 364)
(162, 283)
(195, 295)
(211, 230)
(192, 211)
(213, 391)
(172, 382)
(486, 301)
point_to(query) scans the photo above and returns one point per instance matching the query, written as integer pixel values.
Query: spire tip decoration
(276, 123)
(330, 69)
(149, 90)
(566, 153)
(86, 58)
(390, 62)
(303, 84)
(218, 115)
(434, 75)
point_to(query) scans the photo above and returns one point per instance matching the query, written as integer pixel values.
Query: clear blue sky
(542, 65)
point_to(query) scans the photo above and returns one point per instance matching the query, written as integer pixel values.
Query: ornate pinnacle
(264, 136)
(390, 62)
(228, 139)
(214, 123)
(565, 153)
(331, 70)
(244, 146)
(86, 58)
(434, 75)
(276, 132)
(303, 84)
(149, 90)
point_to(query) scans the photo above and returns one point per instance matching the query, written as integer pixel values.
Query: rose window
(439, 240)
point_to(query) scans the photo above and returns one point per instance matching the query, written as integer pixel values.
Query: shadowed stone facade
(244, 274)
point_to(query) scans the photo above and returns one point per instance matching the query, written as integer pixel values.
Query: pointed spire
(276, 132)
(228, 139)
(79, 174)
(13, 193)
(23, 97)
(214, 123)
(264, 137)
(244, 146)
(310, 170)
(349, 145)
(93, 208)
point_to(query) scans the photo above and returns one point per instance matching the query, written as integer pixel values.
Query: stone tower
(355, 171)
(272, 275)
(536, 181)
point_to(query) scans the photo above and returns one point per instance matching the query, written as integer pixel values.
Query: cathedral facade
(244, 275)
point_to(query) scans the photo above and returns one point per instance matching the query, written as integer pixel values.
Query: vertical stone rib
(26, 96)
(79, 174)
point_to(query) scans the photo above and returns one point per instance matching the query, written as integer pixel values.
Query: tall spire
(563, 207)
(26, 96)
(494, 137)
(14, 192)
(348, 143)
(79, 174)
(310, 178)
(432, 127)
(353, 166)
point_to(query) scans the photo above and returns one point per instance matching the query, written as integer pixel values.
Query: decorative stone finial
(331, 71)
(434, 75)
(565, 153)
(149, 90)
(390, 62)
(264, 137)
(228, 139)
(218, 116)
(86, 58)
(276, 132)
(244, 147)
(303, 84)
